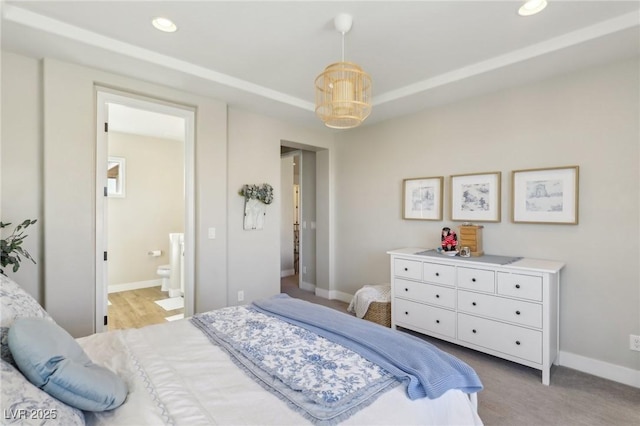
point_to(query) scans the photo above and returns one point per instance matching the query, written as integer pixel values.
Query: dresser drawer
(439, 274)
(408, 269)
(417, 316)
(509, 339)
(476, 279)
(519, 285)
(427, 293)
(520, 312)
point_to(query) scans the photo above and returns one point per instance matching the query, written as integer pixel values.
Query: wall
(254, 157)
(152, 208)
(21, 162)
(590, 119)
(67, 148)
(232, 148)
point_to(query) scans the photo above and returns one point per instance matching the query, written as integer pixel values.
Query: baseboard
(115, 288)
(599, 368)
(287, 273)
(307, 286)
(334, 295)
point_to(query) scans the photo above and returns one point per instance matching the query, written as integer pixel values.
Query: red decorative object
(449, 239)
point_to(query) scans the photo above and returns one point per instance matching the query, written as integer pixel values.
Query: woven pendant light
(343, 89)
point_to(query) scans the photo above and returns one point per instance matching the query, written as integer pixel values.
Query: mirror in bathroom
(115, 177)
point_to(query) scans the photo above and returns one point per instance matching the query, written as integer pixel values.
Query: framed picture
(422, 198)
(476, 197)
(545, 195)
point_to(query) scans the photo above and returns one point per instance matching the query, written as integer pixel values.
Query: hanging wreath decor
(262, 192)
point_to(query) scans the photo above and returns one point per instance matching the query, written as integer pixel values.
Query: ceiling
(264, 56)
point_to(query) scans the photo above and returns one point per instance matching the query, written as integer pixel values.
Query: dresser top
(538, 265)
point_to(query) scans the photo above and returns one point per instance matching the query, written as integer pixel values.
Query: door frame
(104, 96)
(298, 153)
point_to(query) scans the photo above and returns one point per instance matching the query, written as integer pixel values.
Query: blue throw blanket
(428, 371)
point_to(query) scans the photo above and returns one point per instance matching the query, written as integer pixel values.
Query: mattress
(177, 376)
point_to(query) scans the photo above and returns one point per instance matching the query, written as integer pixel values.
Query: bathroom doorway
(144, 220)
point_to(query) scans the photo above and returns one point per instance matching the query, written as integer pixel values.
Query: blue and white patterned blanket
(324, 381)
(326, 364)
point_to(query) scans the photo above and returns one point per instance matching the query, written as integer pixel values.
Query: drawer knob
(473, 280)
(437, 274)
(437, 296)
(473, 303)
(517, 312)
(518, 342)
(406, 312)
(437, 321)
(406, 269)
(474, 331)
(406, 289)
(517, 285)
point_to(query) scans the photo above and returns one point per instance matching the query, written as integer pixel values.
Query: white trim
(308, 286)
(555, 44)
(599, 368)
(116, 288)
(341, 296)
(53, 26)
(19, 15)
(334, 295)
(287, 273)
(104, 96)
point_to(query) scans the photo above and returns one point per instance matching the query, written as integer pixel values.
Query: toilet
(164, 271)
(173, 274)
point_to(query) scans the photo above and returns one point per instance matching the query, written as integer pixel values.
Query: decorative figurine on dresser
(506, 306)
(449, 239)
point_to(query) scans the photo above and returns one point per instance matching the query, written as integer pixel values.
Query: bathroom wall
(152, 208)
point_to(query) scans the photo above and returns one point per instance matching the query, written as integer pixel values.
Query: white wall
(588, 118)
(254, 157)
(243, 149)
(21, 162)
(67, 149)
(153, 206)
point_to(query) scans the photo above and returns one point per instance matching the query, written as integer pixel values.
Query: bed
(280, 361)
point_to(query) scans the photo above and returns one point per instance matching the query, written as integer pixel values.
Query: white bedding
(177, 376)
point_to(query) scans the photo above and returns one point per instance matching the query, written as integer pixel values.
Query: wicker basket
(379, 312)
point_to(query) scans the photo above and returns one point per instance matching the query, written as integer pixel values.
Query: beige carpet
(514, 395)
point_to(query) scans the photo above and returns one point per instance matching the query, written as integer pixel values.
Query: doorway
(298, 224)
(145, 214)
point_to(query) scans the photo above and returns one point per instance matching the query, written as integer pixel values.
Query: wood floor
(136, 308)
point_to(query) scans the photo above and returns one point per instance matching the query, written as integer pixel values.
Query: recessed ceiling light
(164, 24)
(531, 7)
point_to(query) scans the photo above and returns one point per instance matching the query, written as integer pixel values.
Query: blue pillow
(53, 361)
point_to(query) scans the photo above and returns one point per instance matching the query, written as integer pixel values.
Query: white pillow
(15, 303)
(23, 403)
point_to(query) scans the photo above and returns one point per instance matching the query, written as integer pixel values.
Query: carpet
(171, 303)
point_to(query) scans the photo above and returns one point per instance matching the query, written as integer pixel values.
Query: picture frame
(422, 198)
(548, 195)
(476, 197)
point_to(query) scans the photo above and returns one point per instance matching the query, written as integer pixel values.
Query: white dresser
(510, 311)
